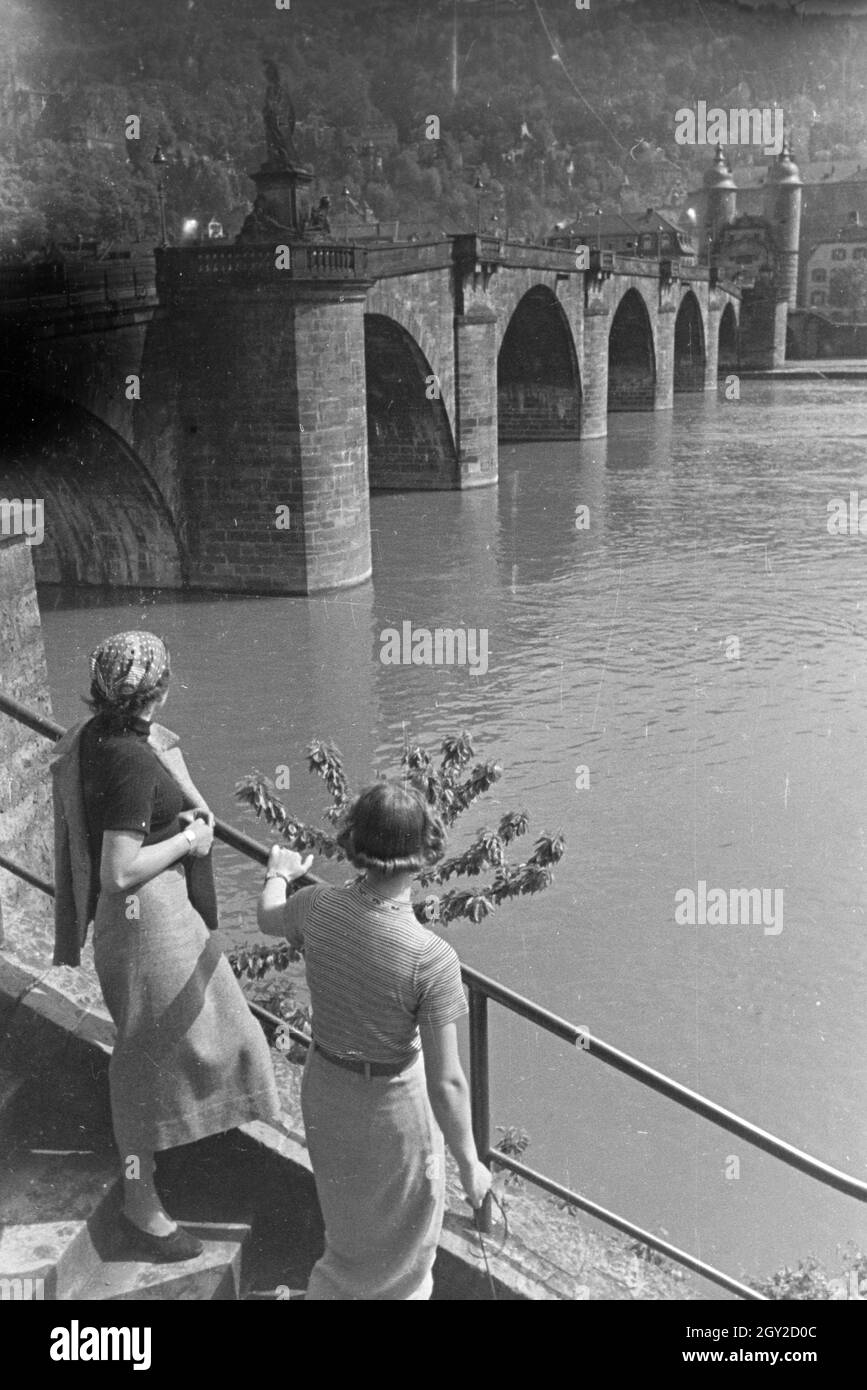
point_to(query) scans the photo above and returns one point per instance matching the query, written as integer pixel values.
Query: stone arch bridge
(216, 417)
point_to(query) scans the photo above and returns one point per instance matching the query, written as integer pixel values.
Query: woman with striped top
(383, 1081)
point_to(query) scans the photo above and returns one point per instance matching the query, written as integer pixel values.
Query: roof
(615, 224)
(852, 232)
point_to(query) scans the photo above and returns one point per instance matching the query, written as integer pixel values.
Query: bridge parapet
(64, 285)
(518, 255)
(408, 258)
(327, 260)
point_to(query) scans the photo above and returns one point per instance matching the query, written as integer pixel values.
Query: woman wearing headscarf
(189, 1059)
(383, 1081)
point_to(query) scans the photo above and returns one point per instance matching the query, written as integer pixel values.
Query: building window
(817, 298)
(819, 274)
(839, 253)
(859, 253)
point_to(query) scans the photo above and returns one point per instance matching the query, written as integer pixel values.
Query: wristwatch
(190, 834)
(278, 873)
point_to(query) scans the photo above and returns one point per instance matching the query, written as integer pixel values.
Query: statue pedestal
(278, 186)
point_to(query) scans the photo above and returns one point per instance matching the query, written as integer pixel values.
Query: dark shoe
(180, 1245)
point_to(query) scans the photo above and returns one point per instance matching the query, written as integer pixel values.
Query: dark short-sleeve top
(125, 787)
(374, 974)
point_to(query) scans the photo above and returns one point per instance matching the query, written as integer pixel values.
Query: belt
(367, 1069)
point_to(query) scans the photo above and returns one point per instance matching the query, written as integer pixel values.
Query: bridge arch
(538, 378)
(410, 443)
(728, 339)
(105, 521)
(690, 353)
(631, 356)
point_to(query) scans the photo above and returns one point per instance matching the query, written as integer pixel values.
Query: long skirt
(379, 1165)
(189, 1060)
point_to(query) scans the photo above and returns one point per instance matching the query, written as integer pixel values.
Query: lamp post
(159, 162)
(346, 195)
(597, 215)
(479, 187)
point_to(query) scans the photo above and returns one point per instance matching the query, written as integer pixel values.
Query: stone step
(60, 1239)
(46, 1203)
(213, 1275)
(56, 1170)
(60, 1195)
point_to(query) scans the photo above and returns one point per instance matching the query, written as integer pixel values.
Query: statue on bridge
(278, 215)
(319, 225)
(278, 115)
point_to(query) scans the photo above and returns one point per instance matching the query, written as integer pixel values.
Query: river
(700, 649)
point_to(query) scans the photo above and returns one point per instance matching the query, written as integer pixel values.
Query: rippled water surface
(612, 648)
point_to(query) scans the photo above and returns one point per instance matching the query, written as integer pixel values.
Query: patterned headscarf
(130, 663)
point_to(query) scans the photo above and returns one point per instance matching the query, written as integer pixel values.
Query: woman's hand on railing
(476, 1182)
(287, 863)
(203, 831)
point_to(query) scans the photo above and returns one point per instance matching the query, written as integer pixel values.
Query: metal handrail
(672, 1252)
(666, 1086)
(481, 988)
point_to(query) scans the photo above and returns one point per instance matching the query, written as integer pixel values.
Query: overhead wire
(573, 84)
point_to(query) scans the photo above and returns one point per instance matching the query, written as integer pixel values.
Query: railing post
(480, 1101)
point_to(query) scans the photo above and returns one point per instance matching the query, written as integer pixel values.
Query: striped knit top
(373, 971)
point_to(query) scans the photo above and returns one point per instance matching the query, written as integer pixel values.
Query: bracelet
(278, 873)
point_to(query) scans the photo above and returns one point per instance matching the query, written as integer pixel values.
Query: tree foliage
(451, 784)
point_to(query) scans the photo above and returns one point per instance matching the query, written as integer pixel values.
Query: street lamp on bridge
(479, 187)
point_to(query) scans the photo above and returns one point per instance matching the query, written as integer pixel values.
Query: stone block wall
(269, 438)
(25, 796)
(594, 417)
(630, 388)
(533, 410)
(762, 334)
(332, 404)
(476, 391)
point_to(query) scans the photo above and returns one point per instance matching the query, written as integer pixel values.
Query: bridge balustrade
(326, 259)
